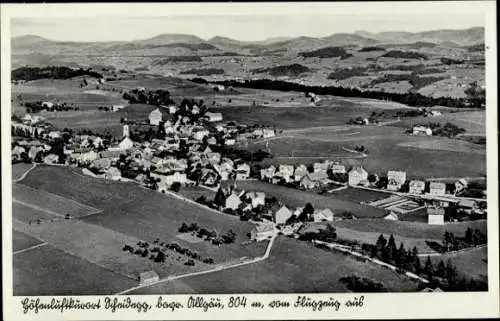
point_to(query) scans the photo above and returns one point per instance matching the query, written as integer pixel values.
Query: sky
(312, 21)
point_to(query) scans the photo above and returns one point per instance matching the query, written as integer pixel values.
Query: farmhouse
(257, 198)
(312, 180)
(117, 107)
(55, 134)
(155, 117)
(262, 232)
(148, 277)
(392, 216)
(268, 133)
(322, 167)
(323, 215)
(101, 163)
(422, 130)
(47, 104)
(213, 117)
(282, 215)
(17, 151)
(51, 159)
(433, 113)
(300, 172)
(113, 173)
(338, 169)
(242, 172)
(435, 215)
(285, 171)
(198, 135)
(460, 185)
(232, 201)
(395, 180)
(416, 187)
(437, 188)
(358, 175)
(267, 173)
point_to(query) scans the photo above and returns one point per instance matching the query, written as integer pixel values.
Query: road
(24, 174)
(216, 269)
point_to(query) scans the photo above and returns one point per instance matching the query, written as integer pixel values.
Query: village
(187, 145)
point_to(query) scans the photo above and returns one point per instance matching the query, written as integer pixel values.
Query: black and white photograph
(208, 153)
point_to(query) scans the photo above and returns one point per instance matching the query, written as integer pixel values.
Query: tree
(441, 270)
(428, 268)
(380, 246)
(372, 178)
(220, 198)
(382, 182)
(176, 187)
(306, 212)
(401, 255)
(390, 250)
(184, 228)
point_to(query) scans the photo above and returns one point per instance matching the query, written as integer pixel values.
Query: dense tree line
(51, 72)
(203, 71)
(404, 55)
(38, 106)
(155, 98)
(371, 48)
(362, 284)
(293, 70)
(328, 52)
(410, 99)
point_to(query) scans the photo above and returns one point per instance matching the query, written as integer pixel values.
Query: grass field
(411, 229)
(389, 148)
(294, 198)
(38, 199)
(95, 120)
(472, 263)
(143, 213)
(19, 169)
(359, 195)
(474, 122)
(193, 192)
(21, 241)
(46, 270)
(284, 272)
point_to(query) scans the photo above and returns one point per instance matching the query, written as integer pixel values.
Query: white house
(312, 180)
(257, 198)
(357, 175)
(213, 117)
(338, 169)
(155, 117)
(300, 172)
(148, 277)
(268, 133)
(460, 185)
(416, 187)
(54, 134)
(437, 188)
(242, 172)
(51, 159)
(262, 232)
(117, 107)
(422, 130)
(198, 135)
(232, 201)
(435, 215)
(267, 173)
(47, 104)
(112, 173)
(323, 215)
(285, 171)
(395, 180)
(282, 215)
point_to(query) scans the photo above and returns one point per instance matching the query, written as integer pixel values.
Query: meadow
(471, 263)
(283, 272)
(22, 241)
(474, 122)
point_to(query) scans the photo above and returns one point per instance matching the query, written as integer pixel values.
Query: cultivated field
(293, 198)
(142, 213)
(411, 229)
(283, 272)
(97, 121)
(359, 195)
(47, 270)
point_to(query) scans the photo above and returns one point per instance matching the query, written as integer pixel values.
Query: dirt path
(24, 174)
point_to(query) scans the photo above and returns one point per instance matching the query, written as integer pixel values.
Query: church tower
(126, 131)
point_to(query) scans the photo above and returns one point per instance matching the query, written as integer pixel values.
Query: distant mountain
(224, 41)
(29, 40)
(343, 39)
(461, 37)
(171, 38)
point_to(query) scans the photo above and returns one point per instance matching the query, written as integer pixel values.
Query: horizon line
(250, 41)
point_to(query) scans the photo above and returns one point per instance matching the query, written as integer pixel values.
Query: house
(219, 88)
(322, 167)
(47, 104)
(422, 130)
(392, 216)
(262, 232)
(416, 187)
(230, 141)
(358, 175)
(267, 173)
(285, 171)
(468, 206)
(148, 277)
(209, 177)
(117, 107)
(195, 110)
(312, 180)
(338, 169)
(233, 201)
(433, 113)
(110, 154)
(97, 142)
(172, 109)
(435, 215)
(51, 159)
(126, 144)
(213, 157)
(257, 198)
(212, 141)
(460, 185)
(395, 180)
(113, 173)
(175, 178)
(54, 134)
(323, 215)
(300, 172)
(213, 117)
(242, 172)
(198, 135)
(33, 151)
(282, 215)
(437, 188)
(155, 117)
(101, 163)
(17, 151)
(268, 133)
